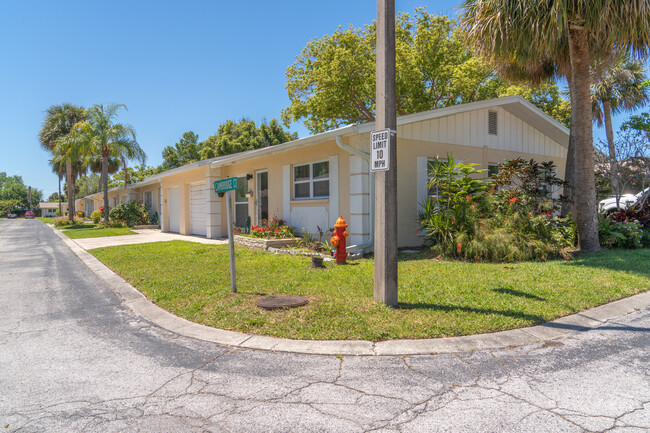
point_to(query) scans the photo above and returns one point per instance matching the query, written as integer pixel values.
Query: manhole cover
(273, 302)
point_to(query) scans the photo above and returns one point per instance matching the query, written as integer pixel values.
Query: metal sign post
(227, 186)
(231, 244)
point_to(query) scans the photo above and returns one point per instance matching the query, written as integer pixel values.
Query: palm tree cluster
(568, 38)
(88, 139)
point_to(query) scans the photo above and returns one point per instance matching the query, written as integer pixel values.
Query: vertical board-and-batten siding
(471, 129)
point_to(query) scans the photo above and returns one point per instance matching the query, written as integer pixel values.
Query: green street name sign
(224, 185)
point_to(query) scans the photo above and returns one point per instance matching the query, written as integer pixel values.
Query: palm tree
(582, 31)
(109, 139)
(59, 170)
(95, 165)
(617, 88)
(59, 122)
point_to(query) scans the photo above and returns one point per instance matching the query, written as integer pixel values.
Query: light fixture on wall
(249, 194)
(249, 176)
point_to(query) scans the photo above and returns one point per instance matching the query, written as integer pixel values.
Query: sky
(176, 65)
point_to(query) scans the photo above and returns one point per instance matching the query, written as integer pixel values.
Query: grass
(84, 231)
(437, 299)
(45, 220)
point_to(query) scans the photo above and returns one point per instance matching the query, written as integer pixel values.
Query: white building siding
(471, 129)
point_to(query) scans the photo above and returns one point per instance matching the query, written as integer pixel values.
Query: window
(311, 180)
(148, 199)
(492, 122)
(492, 170)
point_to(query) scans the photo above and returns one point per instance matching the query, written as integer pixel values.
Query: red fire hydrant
(338, 240)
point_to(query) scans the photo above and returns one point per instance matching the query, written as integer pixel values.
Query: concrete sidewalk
(142, 307)
(143, 236)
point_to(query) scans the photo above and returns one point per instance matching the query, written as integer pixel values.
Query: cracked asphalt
(75, 360)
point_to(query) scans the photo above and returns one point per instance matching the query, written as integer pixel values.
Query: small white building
(50, 209)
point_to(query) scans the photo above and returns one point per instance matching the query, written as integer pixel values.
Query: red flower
(513, 200)
(459, 247)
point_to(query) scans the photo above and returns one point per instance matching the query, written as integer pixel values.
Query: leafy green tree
(332, 82)
(60, 121)
(87, 185)
(638, 122)
(244, 135)
(14, 194)
(186, 151)
(581, 31)
(135, 174)
(101, 136)
(54, 197)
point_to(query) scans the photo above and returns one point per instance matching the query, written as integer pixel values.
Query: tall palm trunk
(607, 114)
(105, 184)
(71, 210)
(585, 181)
(60, 211)
(570, 167)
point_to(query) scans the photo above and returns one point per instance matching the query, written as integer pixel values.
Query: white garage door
(198, 210)
(173, 209)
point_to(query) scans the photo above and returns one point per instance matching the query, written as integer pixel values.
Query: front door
(262, 196)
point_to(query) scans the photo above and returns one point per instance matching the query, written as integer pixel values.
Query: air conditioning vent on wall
(492, 122)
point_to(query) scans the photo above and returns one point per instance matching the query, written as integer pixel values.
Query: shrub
(131, 213)
(621, 234)
(96, 216)
(81, 214)
(509, 221)
(111, 224)
(64, 221)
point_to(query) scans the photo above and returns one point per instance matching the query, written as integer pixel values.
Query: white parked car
(625, 201)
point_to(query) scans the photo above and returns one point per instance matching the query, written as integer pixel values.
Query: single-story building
(310, 181)
(50, 209)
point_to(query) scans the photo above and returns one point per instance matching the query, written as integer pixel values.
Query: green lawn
(437, 299)
(45, 220)
(88, 231)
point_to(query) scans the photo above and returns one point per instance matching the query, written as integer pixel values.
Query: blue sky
(177, 66)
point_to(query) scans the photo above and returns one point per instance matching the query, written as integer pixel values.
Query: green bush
(111, 224)
(506, 220)
(64, 221)
(96, 216)
(131, 213)
(621, 234)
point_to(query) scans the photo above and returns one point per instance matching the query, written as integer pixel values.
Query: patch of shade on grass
(437, 299)
(78, 232)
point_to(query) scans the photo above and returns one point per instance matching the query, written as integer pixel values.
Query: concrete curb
(148, 311)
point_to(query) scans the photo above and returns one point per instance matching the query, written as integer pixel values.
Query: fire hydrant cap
(340, 222)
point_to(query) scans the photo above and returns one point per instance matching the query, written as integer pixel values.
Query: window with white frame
(311, 180)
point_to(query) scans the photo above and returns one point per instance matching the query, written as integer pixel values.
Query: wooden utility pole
(386, 181)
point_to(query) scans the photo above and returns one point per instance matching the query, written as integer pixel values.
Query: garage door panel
(198, 210)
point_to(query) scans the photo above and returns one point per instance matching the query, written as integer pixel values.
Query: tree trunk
(585, 189)
(607, 114)
(570, 167)
(68, 169)
(105, 186)
(60, 211)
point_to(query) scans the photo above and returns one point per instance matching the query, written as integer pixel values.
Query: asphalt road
(73, 359)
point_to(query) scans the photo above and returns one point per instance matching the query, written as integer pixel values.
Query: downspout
(369, 243)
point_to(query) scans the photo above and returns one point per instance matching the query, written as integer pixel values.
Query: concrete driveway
(74, 358)
(143, 236)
